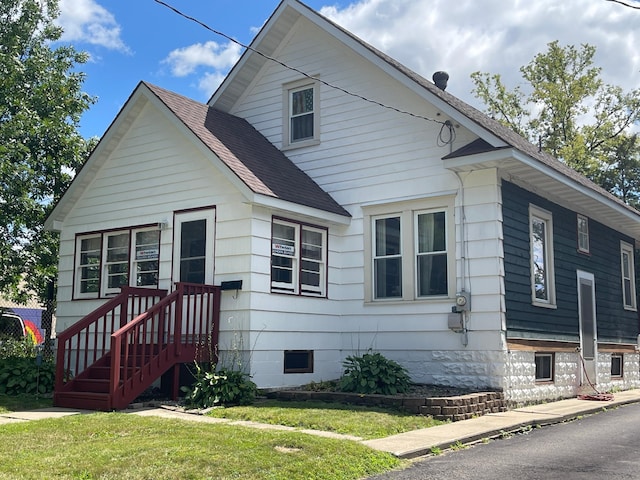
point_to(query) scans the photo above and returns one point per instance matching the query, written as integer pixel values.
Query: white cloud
(89, 22)
(494, 36)
(184, 61)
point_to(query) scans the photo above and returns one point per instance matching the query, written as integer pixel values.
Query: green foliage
(24, 376)
(566, 109)
(41, 103)
(19, 348)
(373, 373)
(214, 387)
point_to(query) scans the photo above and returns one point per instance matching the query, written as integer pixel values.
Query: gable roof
(248, 156)
(498, 146)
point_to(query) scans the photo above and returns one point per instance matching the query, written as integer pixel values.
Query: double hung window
(628, 276)
(583, 234)
(410, 250)
(107, 261)
(542, 270)
(301, 113)
(298, 258)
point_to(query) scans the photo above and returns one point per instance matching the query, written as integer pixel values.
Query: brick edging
(455, 408)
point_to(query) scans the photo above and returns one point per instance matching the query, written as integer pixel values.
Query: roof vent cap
(440, 79)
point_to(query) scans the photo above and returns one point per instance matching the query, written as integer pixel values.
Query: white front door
(588, 327)
(193, 241)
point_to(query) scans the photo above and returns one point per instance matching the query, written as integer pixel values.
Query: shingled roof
(248, 154)
(511, 138)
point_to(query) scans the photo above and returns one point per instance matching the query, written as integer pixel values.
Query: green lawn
(364, 422)
(13, 403)
(125, 446)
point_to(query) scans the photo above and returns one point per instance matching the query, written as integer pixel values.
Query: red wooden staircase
(112, 355)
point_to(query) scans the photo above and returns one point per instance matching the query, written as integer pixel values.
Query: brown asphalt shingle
(255, 160)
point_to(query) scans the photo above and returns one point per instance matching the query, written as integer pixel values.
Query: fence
(33, 319)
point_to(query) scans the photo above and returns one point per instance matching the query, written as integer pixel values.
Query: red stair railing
(181, 328)
(140, 334)
(88, 340)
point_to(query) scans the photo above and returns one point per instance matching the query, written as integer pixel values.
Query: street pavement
(404, 445)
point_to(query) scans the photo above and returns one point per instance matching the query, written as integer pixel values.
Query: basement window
(616, 365)
(298, 361)
(544, 367)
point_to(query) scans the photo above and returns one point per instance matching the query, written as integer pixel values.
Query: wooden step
(90, 385)
(83, 400)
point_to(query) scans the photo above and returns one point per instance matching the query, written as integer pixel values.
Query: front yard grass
(14, 403)
(126, 446)
(360, 421)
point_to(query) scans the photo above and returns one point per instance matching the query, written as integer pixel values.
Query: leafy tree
(570, 112)
(40, 148)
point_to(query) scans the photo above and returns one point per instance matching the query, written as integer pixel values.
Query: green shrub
(373, 373)
(13, 347)
(219, 387)
(19, 375)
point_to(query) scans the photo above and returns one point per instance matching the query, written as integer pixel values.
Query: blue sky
(143, 40)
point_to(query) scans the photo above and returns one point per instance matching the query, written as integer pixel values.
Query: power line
(637, 7)
(294, 69)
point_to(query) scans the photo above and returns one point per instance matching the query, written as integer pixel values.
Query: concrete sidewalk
(420, 442)
(405, 445)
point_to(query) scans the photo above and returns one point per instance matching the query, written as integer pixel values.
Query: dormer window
(301, 114)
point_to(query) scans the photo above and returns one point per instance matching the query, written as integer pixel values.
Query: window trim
(629, 304)
(307, 369)
(408, 210)
(620, 358)
(296, 286)
(103, 290)
(547, 218)
(583, 236)
(551, 357)
(287, 90)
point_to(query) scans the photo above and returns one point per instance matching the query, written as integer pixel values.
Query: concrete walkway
(405, 445)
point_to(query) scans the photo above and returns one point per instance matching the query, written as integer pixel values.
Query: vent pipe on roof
(440, 79)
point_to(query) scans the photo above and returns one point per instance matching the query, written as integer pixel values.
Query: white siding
(154, 171)
(372, 155)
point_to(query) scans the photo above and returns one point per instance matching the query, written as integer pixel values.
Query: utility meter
(463, 301)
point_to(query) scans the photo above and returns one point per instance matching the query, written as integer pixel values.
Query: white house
(362, 207)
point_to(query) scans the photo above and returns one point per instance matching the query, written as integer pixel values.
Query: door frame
(209, 215)
(587, 328)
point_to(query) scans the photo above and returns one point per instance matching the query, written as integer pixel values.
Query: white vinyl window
(583, 234)
(542, 264)
(107, 261)
(431, 253)
(301, 114)
(298, 258)
(387, 257)
(410, 250)
(628, 276)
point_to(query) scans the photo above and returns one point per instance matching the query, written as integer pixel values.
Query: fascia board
(109, 142)
(294, 208)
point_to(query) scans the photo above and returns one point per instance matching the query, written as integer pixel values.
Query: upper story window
(628, 276)
(542, 265)
(107, 261)
(301, 119)
(583, 234)
(410, 250)
(298, 258)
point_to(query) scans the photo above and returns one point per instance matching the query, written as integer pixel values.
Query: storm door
(193, 247)
(588, 327)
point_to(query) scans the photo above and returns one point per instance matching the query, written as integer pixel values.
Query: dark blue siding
(615, 324)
